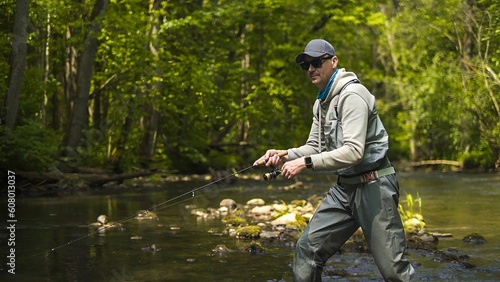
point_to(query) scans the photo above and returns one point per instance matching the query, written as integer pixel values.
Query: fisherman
(347, 138)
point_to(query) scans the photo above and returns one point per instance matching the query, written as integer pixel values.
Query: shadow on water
(178, 247)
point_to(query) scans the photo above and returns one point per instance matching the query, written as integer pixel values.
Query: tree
(79, 118)
(18, 62)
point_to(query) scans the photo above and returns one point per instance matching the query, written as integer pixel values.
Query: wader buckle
(369, 176)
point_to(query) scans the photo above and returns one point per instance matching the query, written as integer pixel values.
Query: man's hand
(292, 168)
(272, 158)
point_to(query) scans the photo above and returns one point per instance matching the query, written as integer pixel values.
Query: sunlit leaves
(427, 47)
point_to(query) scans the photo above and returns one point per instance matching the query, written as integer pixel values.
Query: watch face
(308, 162)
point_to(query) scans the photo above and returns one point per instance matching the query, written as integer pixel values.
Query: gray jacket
(347, 135)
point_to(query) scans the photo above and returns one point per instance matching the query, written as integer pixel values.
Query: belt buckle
(370, 176)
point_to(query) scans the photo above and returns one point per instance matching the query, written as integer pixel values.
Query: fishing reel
(272, 174)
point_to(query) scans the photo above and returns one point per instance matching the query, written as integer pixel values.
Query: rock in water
(474, 239)
(248, 232)
(222, 249)
(256, 202)
(229, 203)
(148, 215)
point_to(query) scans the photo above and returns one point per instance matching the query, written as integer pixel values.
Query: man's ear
(335, 61)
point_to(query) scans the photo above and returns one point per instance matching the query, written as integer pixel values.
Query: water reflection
(452, 203)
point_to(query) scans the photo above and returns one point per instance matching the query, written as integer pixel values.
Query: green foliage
(413, 220)
(91, 152)
(222, 76)
(480, 157)
(300, 223)
(438, 94)
(30, 148)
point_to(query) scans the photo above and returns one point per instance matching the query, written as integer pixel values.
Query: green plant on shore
(413, 221)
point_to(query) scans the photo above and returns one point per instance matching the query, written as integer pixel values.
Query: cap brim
(300, 57)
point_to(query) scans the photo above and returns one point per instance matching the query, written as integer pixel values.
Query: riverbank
(33, 184)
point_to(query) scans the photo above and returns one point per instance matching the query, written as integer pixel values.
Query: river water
(55, 243)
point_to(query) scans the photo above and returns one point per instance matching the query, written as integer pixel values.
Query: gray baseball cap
(316, 48)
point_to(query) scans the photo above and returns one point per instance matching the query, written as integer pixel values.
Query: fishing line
(163, 205)
(100, 230)
(192, 192)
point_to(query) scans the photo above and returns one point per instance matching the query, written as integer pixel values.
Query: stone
(270, 234)
(248, 232)
(261, 210)
(222, 249)
(285, 219)
(233, 220)
(474, 239)
(280, 207)
(146, 215)
(256, 202)
(255, 247)
(229, 203)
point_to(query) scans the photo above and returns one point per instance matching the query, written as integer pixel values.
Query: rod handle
(281, 154)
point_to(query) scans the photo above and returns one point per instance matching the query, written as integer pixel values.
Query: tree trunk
(468, 51)
(70, 73)
(85, 65)
(153, 118)
(244, 124)
(18, 62)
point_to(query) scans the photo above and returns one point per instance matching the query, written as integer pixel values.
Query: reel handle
(281, 154)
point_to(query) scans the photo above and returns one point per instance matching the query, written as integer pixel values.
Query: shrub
(29, 147)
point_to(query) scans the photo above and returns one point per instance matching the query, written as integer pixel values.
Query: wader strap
(367, 177)
(341, 90)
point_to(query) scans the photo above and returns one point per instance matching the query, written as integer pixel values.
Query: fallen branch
(91, 179)
(103, 179)
(437, 162)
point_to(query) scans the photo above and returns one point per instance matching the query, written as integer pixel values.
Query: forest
(191, 85)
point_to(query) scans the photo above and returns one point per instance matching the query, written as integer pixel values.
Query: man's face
(320, 69)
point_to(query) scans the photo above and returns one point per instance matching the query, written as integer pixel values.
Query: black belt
(368, 176)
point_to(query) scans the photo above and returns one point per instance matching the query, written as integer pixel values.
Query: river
(54, 242)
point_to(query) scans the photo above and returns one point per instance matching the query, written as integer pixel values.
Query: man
(348, 138)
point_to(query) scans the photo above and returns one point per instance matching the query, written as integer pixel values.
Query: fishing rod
(267, 176)
(168, 203)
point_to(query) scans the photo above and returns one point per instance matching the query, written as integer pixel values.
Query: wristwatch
(308, 162)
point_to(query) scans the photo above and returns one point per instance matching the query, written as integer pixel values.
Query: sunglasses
(316, 63)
